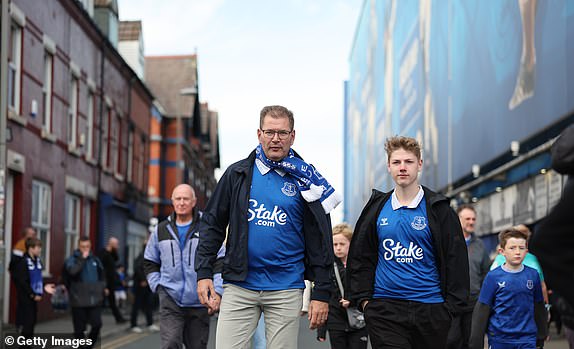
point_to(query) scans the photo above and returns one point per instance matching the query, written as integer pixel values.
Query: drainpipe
(100, 166)
(4, 31)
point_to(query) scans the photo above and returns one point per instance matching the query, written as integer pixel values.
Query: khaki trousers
(240, 311)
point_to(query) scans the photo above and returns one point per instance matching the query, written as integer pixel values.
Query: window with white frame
(73, 112)
(116, 145)
(72, 221)
(14, 59)
(129, 174)
(141, 162)
(90, 126)
(42, 217)
(105, 130)
(47, 91)
(87, 217)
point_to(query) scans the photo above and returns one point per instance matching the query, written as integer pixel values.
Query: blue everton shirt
(276, 246)
(406, 268)
(511, 296)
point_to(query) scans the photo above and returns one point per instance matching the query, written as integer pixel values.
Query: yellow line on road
(121, 341)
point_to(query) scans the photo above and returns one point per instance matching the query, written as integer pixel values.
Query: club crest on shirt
(419, 223)
(289, 189)
(529, 284)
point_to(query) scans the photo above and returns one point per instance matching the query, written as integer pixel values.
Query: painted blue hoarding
(465, 77)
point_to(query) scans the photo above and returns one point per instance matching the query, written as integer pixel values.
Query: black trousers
(189, 326)
(114, 307)
(459, 333)
(82, 316)
(143, 300)
(403, 324)
(341, 339)
(29, 308)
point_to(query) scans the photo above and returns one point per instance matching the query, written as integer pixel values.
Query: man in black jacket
(109, 257)
(408, 264)
(84, 276)
(276, 207)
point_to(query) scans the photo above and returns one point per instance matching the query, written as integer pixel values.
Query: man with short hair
(109, 257)
(478, 267)
(169, 267)
(273, 208)
(84, 276)
(407, 264)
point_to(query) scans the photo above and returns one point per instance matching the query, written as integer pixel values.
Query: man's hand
(213, 305)
(204, 290)
(344, 303)
(318, 312)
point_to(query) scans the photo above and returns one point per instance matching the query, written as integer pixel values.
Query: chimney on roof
(106, 17)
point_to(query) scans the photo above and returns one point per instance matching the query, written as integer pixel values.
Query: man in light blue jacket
(169, 266)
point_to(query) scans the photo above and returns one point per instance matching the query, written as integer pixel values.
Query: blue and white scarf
(311, 184)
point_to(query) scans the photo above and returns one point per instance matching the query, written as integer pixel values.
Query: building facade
(79, 120)
(184, 137)
(485, 87)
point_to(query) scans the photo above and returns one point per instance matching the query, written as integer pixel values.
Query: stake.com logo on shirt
(264, 216)
(395, 250)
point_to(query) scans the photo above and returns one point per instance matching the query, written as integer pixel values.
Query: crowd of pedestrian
(412, 273)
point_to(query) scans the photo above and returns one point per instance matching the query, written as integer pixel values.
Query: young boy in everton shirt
(408, 265)
(510, 301)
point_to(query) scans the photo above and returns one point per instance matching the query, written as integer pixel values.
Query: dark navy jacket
(226, 215)
(450, 250)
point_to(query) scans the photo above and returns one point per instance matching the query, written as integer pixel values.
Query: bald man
(169, 267)
(109, 257)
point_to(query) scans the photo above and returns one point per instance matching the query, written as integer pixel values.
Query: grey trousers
(240, 311)
(182, 325)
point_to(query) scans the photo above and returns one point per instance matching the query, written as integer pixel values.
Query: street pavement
(116, 336)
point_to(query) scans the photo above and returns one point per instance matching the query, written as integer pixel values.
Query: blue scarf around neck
(311, 184)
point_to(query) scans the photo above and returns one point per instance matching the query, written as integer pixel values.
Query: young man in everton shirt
(510, 307)
(276, 208)
(408, 265)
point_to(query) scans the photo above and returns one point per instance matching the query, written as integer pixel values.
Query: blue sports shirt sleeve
(488, 291)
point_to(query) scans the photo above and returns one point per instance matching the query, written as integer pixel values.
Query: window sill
(48, 136)
(72, 149)
(119, 177)
(12, 115)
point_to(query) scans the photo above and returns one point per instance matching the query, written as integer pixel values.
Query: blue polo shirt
(511, 296)
(406, 267)
(276, 246)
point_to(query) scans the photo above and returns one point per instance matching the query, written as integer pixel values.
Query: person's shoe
(136, 329)
(153, 328)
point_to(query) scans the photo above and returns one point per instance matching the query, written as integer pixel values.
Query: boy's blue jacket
(173, 268)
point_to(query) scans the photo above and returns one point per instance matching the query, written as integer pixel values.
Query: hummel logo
(384, 221)
(502, 284)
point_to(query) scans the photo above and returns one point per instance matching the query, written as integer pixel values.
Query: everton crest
(419, 223)
(529, 284)
(289, 189)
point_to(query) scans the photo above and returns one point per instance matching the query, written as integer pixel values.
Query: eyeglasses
(282, 134)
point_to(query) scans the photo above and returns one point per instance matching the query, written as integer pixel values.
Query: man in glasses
(276, 209)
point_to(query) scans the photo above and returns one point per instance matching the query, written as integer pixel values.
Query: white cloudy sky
(253, 53)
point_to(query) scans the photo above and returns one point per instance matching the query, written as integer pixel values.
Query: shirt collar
(264, 169)
(416, 201)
